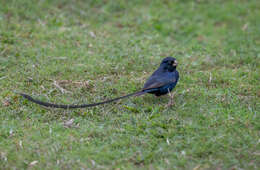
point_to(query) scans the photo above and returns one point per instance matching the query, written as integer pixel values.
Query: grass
(98, 50)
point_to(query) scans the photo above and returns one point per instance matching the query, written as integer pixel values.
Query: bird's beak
(175, 63)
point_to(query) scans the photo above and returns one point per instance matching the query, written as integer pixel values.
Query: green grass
(98, 50)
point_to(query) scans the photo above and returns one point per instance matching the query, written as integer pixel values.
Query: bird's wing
(156, 82)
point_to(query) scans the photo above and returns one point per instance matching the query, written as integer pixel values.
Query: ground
(87, 51)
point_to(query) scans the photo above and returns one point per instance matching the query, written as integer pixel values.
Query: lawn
(87, 51)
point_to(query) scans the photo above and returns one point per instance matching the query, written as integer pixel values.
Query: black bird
(161, 82)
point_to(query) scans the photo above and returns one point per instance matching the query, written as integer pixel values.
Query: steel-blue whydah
(161, 82)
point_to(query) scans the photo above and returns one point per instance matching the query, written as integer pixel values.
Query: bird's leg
(171, 101)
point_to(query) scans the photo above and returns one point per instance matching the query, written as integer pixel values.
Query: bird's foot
(171, 101)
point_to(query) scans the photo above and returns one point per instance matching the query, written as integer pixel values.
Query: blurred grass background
(97, 50)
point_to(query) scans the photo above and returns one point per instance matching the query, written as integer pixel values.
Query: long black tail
(46, 104)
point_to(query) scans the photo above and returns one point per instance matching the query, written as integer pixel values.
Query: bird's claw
(170, 103)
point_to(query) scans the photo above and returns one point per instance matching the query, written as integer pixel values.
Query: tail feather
(46, 104)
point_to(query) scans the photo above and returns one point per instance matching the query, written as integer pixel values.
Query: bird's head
(169, 63)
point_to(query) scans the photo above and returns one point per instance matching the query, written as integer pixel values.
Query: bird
(161, 82)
